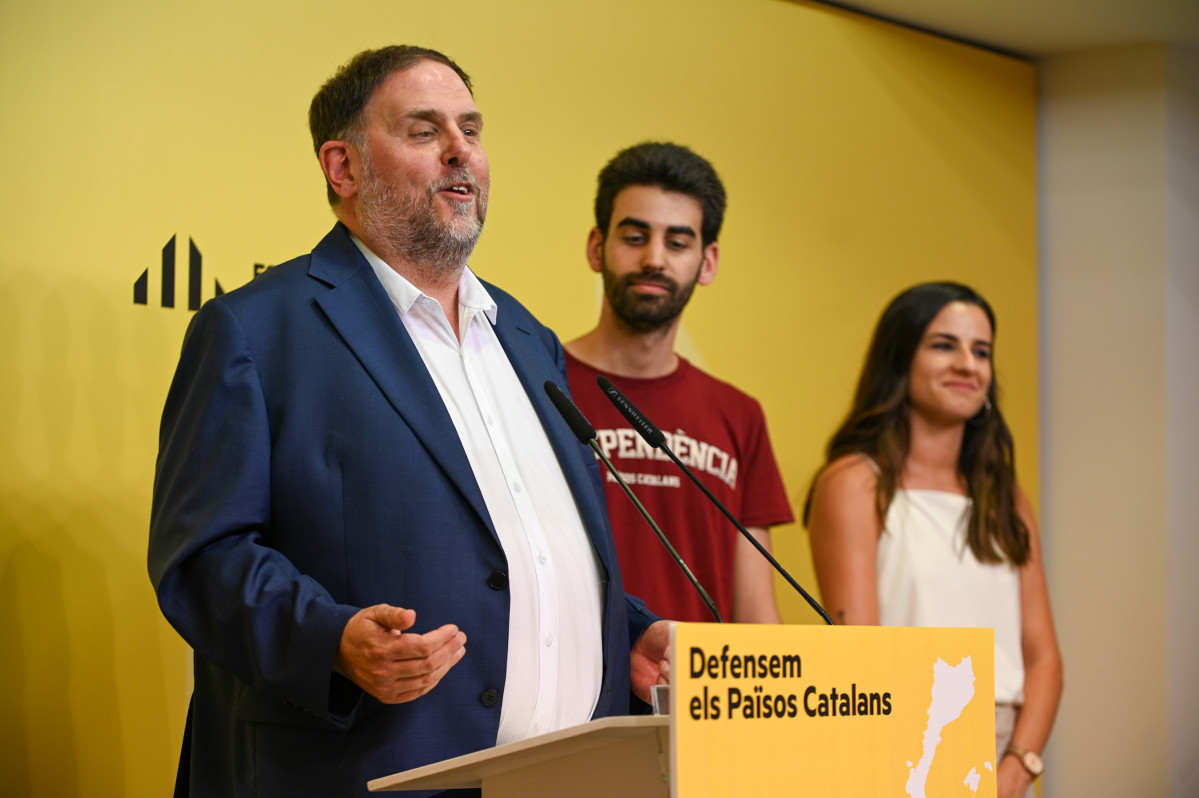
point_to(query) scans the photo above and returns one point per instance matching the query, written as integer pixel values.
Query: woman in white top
(916, 518)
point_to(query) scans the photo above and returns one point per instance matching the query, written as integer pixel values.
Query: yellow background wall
(859, 158)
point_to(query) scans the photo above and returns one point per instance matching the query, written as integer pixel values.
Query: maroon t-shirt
(720, 433)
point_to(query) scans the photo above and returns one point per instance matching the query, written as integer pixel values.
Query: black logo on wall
(141, 286)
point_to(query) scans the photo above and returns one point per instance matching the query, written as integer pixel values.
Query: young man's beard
(646, 313)
(408, 224)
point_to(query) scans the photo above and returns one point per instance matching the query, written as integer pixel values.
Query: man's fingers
(412, 646)
(408, 688)
(396, 619)
(389, 662)
(413, 656)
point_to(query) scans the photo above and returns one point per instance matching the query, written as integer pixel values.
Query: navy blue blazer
(308, 468)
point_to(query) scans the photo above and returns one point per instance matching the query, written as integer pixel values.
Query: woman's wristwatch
(1030, 759)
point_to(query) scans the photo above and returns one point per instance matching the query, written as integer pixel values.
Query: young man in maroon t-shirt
(659, 208)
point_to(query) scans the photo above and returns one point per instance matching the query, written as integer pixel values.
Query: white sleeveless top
(927, 576)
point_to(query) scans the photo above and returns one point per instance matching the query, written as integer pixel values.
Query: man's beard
(408, 224)
(644, 313)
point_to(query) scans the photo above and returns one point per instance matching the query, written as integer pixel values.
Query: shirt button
(489, 697)
(490, 420)
(541, 558)
(549, 640)
(498, 580)
(516, 487)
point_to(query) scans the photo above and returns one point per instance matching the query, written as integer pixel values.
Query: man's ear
(595, 250)
(707, 270)
(338, 159)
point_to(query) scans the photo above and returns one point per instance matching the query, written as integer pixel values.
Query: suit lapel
(359, 309)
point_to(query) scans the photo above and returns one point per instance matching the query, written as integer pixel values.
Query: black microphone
(583, 430)
(654, 437)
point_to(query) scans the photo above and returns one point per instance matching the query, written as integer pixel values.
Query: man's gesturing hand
(392, 666)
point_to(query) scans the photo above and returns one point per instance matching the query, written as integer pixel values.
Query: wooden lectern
(771, 711)
(621, 756)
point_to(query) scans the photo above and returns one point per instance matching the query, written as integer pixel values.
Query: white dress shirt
(555, 651)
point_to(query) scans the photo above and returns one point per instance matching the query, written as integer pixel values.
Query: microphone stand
(654, 437)
(585, 432)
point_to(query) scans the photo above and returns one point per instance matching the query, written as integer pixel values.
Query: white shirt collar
(472, 294)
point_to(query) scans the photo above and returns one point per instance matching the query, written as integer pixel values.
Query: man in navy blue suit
(359, 469)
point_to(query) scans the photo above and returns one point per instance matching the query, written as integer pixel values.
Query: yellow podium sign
(832, 711)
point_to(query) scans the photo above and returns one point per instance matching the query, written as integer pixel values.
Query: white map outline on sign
(953, 690)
